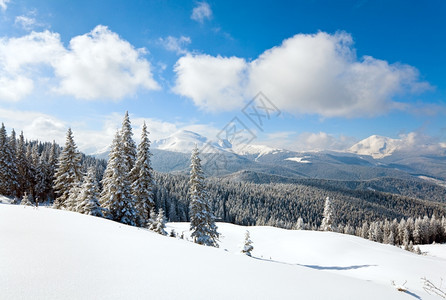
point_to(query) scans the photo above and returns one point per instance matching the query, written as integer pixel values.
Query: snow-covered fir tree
(68, 171)
(300, 224)
(159, 225)
(6, 164)
(26, 200)
(14, 180)
(247, 245)
(116, 197)
(327, 221)
(72, 203)
(22, 166)
(202, 220)
(143, 182)
(88, 198)
(128, 145)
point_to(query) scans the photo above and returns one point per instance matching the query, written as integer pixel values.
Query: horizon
(335, 73)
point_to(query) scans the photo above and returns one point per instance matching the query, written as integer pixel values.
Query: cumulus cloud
(213, 83)
(201, 12)
(20, 60)
(102, 65)
(307, 74)
(96, 65)
(4, 4)
(176, 44)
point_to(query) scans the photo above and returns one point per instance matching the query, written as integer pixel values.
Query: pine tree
(51, 168)
(143, 182)
(327, 221)
(116, 197)
(22, 166)
(87, 199)
(300, 224)
(68, 171)
(247, 246)
(159, 224)
(14, 180)
(6, 164)
(26, 200)
(72, 203)
(202, 221)
(128, 145)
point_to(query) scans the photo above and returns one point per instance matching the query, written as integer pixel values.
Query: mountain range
(371, 158)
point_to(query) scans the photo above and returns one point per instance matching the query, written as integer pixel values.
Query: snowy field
(52, 254)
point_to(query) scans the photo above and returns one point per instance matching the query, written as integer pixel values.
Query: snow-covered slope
(181, 141)
(375, 146)
(51, 254)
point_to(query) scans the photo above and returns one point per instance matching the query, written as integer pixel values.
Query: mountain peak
(376, 146)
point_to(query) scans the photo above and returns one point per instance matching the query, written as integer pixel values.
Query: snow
(301, 160)
(437, 250)
(53, 254)
(376, 146)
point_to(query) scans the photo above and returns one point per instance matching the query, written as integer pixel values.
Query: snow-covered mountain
(376, 146)
(53, 254)
(184, 141)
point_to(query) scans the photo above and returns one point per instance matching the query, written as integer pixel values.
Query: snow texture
(56, 254)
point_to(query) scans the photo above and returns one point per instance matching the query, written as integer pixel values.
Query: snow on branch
(432, 289)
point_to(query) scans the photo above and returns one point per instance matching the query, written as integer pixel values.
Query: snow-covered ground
(52, 254)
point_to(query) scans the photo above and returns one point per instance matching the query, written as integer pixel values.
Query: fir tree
(300, 224)
(14, 180)
(327, 221)
(26, 200)
(128, 145)
(116, 197)
(143, 182)
(247, 246)
(68, 171)
(87, 199)
(6, 164)
(202, 221)
(22, 166)
(72, 201)
(159, 225)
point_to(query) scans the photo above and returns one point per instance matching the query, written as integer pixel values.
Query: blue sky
(339, 71)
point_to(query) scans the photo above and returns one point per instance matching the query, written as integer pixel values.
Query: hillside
(52, 254)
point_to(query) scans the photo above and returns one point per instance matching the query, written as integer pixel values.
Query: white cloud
(213, 83)
(3, 4)
(20, 59)
(176, 44)
(201, 12)
(102, 65)
(310, 141)
(97, 65)
(25, 22)
(306, 74)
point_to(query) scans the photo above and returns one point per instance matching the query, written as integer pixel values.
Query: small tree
(87, 200)
(159, 224)
(327, 221)
(25, 200)
(202, 221)
(300, 224)
(247, 247)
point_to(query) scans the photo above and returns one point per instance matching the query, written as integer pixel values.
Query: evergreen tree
(128, 145)
(202, 221)
(22, 166)
(6, 164)
(51, 168)
(159, 225)
(14, 180)
(116, 197)
(72, 203)
(327, 221)
(68, 171)
(142, 186)
(247, 246)
(26, 200)
(87, 199)
(300, 224)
